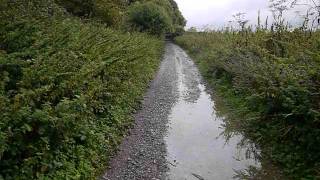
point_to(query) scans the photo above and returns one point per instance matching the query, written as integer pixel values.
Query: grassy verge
(67, 92)
(270, 83)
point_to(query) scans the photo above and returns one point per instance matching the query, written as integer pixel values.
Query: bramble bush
(67, 89)
(271, 82)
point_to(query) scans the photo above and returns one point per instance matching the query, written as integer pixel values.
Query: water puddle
(197, 150)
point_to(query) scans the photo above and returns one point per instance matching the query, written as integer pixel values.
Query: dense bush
(109, 12)
(68, 84)
(112, 13)
(148, 17)
(271, 83)
(31, 9)
(171, 7)
(82, 8)
(67, 90)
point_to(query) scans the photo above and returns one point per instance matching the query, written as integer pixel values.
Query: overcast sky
(217, 13)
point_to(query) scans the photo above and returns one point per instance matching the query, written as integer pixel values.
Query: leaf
(28, 127)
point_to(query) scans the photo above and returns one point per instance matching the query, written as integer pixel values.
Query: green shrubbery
(109, 12)
(67, 89)
(271, 82)
(153, 16)
(149, 17)
(68, 83)
(82, 8)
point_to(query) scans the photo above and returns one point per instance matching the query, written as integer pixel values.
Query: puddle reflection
(199, 143)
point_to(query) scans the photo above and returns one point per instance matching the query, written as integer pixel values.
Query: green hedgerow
(67, 90)
(271, 83)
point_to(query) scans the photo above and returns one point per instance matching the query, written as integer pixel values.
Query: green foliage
(112, 13)
(174, 13)
(82, 8)
(16, 36)
(67, 89)
(109, 12)
(271, 80)
(149, 17)
(169, 8)
(32, 9)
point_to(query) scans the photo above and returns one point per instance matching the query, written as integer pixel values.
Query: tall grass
(270, 81)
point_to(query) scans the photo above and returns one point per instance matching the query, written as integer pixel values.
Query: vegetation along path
(178, 133)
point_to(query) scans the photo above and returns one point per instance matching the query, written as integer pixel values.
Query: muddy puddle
(195, 144)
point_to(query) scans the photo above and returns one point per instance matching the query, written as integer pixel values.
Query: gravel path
(178, 115)
(142, 154)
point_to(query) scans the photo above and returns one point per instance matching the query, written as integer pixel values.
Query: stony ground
(142, 154)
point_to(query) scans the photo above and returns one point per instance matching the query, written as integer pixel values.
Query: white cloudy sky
(217, 13)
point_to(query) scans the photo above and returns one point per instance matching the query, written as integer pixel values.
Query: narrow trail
(177, 135)
(142, 155)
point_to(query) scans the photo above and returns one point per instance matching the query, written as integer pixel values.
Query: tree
(192, 29)
(171, 9)
(148, 17)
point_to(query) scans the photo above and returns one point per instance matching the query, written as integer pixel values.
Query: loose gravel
(142, 155)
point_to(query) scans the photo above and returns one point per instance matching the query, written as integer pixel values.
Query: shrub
(270, 82)
(67, 90)
(109, 12)
(148, 17)
(82, 8)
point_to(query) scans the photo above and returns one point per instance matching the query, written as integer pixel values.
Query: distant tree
(192, 29)
(241, 20)
(173, 12)
(148, 17)
(171, 9)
